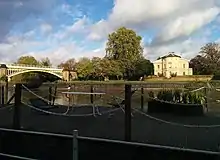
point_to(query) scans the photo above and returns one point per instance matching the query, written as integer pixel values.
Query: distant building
(172, 64)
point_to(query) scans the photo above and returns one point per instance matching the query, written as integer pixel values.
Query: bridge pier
(3, 71)
(69, 75)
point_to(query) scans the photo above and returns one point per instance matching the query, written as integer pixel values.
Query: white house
(172, 64)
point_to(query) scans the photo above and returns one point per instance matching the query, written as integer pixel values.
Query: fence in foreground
(20, 144)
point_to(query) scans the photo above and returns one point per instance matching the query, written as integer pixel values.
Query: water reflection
(116, 90)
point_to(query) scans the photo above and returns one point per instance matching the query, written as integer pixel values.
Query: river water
(144, 128)
(110, 91)
(62, 99)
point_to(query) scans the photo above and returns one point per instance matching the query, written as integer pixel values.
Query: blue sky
(63, 29)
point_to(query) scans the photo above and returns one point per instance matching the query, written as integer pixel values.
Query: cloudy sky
(63, 29)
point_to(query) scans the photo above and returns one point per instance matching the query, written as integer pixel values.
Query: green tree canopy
(208, 62)
(97, 72)
(69, 64)
(144, 68)
(84, 68)
(124, 45)
(45, 62)
(111, 69)
(29, 60)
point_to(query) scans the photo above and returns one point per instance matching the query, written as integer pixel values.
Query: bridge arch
(27, 71)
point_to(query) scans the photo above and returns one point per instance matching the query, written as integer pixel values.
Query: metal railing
(75, 137)
(37, 66)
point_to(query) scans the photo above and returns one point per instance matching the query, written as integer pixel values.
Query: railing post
(50, 95)
(54, 95)
(75, 145)
(127, 130)
(206, 100)
(142, 98)
(6, 90)
(17, 112)
(3, 95)
(91, 96)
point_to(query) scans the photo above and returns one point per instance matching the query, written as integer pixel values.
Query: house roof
(170, 54)
(3, 66)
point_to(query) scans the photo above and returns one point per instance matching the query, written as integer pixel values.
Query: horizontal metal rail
(15, 157)
(112, 141)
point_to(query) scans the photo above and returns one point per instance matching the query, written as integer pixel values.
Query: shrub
(173, 74)
(177, 96)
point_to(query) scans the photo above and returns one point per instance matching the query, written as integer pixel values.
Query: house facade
(172, 64)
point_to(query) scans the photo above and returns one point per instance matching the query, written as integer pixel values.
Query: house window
(184, 65)
(184, 73)
(164, 65)
(158, 66)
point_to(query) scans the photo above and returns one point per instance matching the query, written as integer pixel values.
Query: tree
(29, 60)
(69, 64)
(124, 45)
(198, 65)
(45, 62)
(208, 62)
(111, 69)
(96, 68)
(144, 68)
(84, 68)
(211, 53)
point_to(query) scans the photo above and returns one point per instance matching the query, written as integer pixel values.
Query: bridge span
(10, 70)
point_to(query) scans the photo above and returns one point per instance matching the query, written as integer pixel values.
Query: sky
(64, 29)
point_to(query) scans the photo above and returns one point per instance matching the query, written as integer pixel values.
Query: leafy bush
(173, 74)
(151, 94)
(4, 78)
(178, 96)
(160, 75)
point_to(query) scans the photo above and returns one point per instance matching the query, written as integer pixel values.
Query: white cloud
(78, 27)
(173, 21)
(46, 28)
(187, 48)
(99, 30)
(10, 52)
(185, 26)
(65, 52)
(144, 14)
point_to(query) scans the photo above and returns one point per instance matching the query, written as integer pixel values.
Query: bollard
(127, 132)
(75, 145)
(142, 98)
(91, 96)
(17, 112)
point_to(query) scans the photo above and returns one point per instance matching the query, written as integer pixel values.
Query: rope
(170, 102)
(38, 95)
(197, 89)
(72, 115)
(114, 97)
(174, 123)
